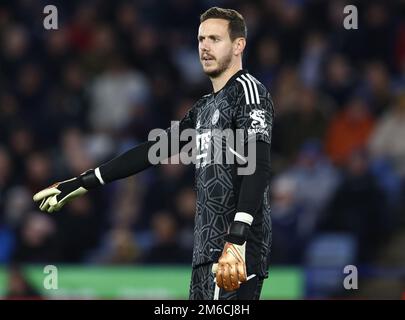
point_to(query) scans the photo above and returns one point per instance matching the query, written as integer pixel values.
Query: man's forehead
(213, 27)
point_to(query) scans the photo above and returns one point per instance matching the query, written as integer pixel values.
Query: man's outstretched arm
(131, 162)
(135, 160)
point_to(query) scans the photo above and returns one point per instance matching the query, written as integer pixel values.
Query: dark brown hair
(237, 27)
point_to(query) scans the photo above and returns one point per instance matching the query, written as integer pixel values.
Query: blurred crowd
(73, 98)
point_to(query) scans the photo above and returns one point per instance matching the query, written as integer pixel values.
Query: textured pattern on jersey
(218, 185)
(202, 284)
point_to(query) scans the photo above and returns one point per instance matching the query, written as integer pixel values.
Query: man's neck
(219, 82)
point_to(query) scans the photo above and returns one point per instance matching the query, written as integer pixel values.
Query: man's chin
(212, 72)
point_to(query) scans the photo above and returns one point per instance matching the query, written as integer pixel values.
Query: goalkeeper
(232, 233)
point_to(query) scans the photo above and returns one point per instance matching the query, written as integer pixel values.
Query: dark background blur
(75, 97)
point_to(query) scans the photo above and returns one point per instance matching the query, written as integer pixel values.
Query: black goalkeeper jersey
(244, 103)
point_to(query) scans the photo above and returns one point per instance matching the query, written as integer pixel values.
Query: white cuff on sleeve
(244, 217)
(98, 175)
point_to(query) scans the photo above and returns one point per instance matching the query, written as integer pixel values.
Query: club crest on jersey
(215, 117)
(258, 124)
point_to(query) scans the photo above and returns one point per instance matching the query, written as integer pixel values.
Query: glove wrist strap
(89, 180)
(238, 233)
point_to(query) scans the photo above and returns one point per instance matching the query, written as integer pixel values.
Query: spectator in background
(187, 62)
(388, 138)
(312, 59)
(163, 190)
(6, 177)
(118, 247)
(118, 98)
(127, 19)
(58, 53)
(78, 231)
(82, 27)
(16, 206)
(287, 90)
(125, 207)
(358, 207)
(338, 79)
(290, 30)
(9, 111)
(18, 285)
(378, 36)
(6, 243)
(377, 88)
(185, 213)
(15, 49)
(36, 240)
(103, 48)
(399, 46)
(308, 120)
(38, 169)
(287, 247)
(316, 181)
(67, 104)
(301, 193)
(165, 248)
(30, 94)
(349, 130)
(21, 144)
(267, 60)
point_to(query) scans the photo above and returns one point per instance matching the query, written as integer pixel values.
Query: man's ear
(239, 45)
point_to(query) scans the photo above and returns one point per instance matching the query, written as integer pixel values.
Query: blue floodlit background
(73, 98)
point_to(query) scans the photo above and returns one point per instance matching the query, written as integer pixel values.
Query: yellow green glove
(54, 197)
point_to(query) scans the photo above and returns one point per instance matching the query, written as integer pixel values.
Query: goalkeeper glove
(55, 196)
(231, 268)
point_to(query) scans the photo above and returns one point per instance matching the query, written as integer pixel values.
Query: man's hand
(54, 197)
(231, 268)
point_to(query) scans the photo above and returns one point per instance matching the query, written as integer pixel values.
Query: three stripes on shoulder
(250, 87)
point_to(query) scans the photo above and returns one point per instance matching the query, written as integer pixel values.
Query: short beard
(222, 66)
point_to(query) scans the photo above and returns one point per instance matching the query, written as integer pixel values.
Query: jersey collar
(231, 80)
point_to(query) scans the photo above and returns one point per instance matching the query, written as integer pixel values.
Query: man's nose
(204, 46)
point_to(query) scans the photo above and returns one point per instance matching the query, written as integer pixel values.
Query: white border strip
(255, 86)
(98, 175)
(238, 155)
(243, 217)
(252, 96)
(244, 88)
(216, 292)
